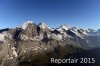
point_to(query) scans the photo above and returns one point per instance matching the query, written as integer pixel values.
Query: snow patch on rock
(38, 38)
(14, 52)
(2, 37)
(5, 34)
(56, 37)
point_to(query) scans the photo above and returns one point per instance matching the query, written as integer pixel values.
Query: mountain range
(29, 41)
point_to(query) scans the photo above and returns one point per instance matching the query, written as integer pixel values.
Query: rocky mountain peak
(27, 24)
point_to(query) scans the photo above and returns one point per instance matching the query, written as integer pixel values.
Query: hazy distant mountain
(25, 43)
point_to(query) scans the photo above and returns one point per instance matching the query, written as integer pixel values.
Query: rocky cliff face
(25, 43)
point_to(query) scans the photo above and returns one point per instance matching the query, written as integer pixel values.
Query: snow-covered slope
(43, 25)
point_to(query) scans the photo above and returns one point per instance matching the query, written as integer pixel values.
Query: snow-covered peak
(43, 25)
(65, 27)
(24, 26)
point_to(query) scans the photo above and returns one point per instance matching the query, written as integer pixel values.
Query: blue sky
(78, 13)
